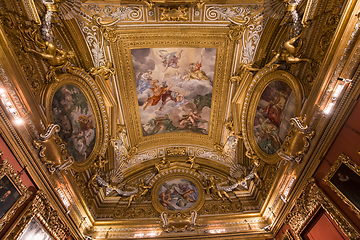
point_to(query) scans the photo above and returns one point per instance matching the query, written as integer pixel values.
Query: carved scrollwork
(52, 150)
(53, 128)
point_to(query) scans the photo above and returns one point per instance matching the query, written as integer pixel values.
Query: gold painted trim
(343, 159)
(254, 92)
(7, 170)
(92, 93)
(177, 173)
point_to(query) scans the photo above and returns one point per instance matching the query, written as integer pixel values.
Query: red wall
(322, 227)
(347, 142)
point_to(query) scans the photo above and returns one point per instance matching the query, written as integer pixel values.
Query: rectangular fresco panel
(174, 88)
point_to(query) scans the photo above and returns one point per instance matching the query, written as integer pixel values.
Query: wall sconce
(337, 92)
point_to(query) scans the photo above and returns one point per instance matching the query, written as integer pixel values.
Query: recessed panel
(174, 88)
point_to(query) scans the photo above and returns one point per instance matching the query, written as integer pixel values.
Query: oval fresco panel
(272, 118)
(178, 194)
(72, 112)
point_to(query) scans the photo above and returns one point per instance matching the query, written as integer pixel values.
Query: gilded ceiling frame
(93, 95)
(121, 43)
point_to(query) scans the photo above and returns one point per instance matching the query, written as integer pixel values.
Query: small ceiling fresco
(174, 88)
(272, 119)
(72, 112)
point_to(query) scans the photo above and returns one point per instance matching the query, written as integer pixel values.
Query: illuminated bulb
(12, 110)
(19, 121)
(338, 90)
(2, 90)
(328, 108)
(8, 103)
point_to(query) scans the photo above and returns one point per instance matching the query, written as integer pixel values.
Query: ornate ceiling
(173, 118)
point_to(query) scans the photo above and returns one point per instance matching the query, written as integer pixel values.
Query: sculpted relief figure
(57, 58)
(289, 53)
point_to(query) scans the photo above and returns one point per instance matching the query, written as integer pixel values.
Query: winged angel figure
(169, 59)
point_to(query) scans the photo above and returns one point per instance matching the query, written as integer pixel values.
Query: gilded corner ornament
(56, 57)
(289, 53)
(52, 150)
(236, 31)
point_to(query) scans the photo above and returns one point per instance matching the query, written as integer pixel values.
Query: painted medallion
(73, 114)
(178, 194)
(174, 88)
(272, 119)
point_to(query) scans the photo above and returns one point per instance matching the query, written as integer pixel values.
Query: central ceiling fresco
(174, 88)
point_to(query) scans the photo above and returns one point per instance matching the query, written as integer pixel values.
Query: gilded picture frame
(287, 236)
(310, 201)
(339, 179)
(172, 185)
(14, 195)
(98, 114)
(47, 219)
(253, 110)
